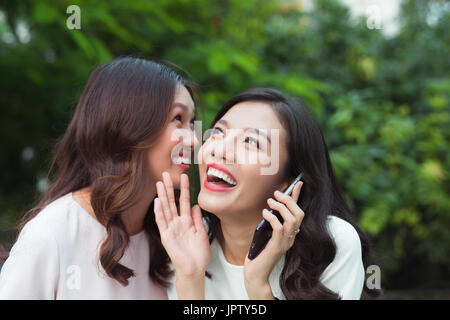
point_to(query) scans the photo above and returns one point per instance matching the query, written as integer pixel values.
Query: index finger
(296, 191)
(185, 200)
(291, 201)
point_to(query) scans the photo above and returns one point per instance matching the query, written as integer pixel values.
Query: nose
(224, 150)
(186, 142)
(186, 137)
(190, 140)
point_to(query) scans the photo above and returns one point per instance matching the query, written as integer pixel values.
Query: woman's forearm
(261, 291)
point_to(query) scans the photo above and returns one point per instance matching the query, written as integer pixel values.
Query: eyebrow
(182, 105)
(258, 131)
(224, 122)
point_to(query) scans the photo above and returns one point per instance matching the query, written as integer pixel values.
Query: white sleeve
(345, 275)
(172, 293)
(32, 268)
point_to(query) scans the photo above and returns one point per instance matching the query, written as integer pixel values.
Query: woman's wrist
(190, 287)
(259, 291)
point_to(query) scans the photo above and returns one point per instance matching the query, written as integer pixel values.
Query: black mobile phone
(263, 231)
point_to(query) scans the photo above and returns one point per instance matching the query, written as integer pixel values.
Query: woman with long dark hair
(93, 235)
(317, 252)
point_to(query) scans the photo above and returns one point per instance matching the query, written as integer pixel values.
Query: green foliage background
(383, 103)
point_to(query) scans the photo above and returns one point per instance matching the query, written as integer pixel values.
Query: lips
(183, 166)
(182, 162)
(218, 178)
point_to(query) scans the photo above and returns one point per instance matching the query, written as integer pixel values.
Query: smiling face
(172, 150)
(232, 159)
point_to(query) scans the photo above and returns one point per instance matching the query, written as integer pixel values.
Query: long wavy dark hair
(124, 106)
(321, 196)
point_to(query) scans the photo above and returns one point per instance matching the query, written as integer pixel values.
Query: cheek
(205, 150)
(202, 156)
(259, 182)
(170, 137)
(200, 152)
(156, 165)
(258, 187)
(167, 143)
(159, 155)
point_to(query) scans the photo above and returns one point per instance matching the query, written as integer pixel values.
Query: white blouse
(344, 275)
(56, 257)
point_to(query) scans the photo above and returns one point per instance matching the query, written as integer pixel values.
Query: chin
(212, 204)
(175, 176)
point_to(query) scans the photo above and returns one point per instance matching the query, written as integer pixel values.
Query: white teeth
(182, 160)
(221, 175)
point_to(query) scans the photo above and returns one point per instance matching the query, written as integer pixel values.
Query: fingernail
(277, 193)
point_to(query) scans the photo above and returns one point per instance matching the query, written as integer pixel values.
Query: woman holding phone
(93, 234)
(317, 252)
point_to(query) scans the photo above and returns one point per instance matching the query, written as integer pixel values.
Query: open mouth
(219, 179)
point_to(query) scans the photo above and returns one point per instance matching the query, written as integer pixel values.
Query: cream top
(56, 257)
(344, 275)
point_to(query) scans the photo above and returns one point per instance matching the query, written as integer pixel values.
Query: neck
(235, 239)
(133, 218)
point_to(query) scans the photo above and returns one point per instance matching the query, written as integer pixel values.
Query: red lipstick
(214, 186)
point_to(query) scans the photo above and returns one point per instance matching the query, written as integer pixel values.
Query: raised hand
(257, 271)
(183, 235)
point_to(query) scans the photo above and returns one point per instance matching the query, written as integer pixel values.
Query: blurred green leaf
(44, 13)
